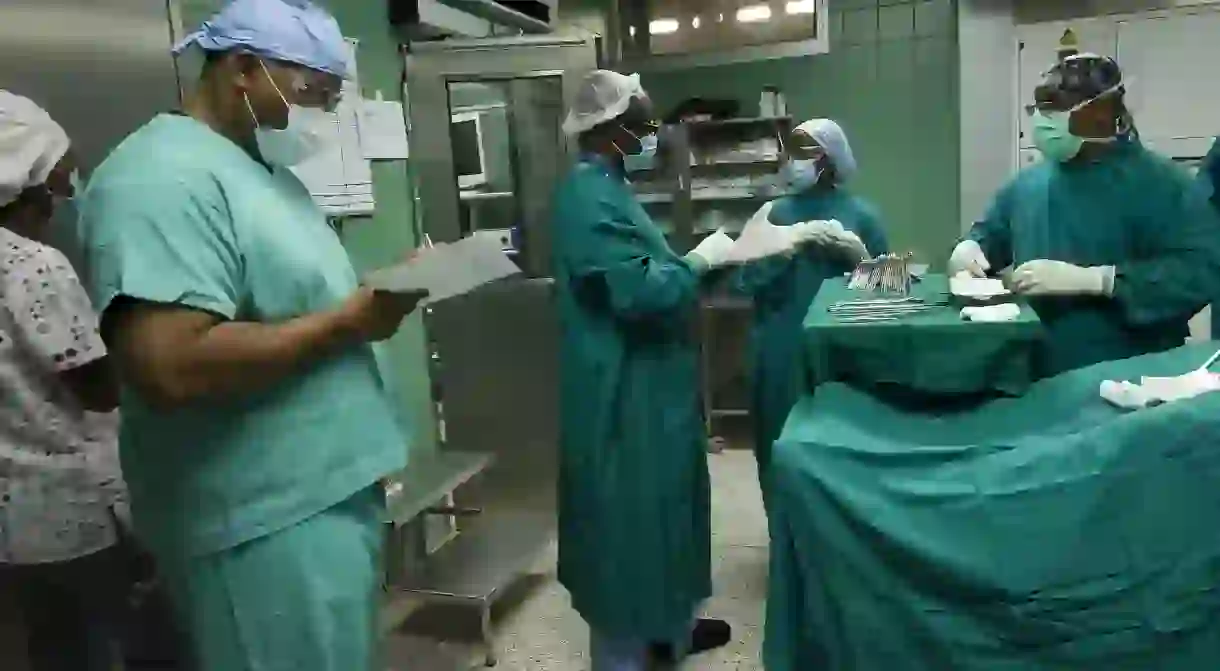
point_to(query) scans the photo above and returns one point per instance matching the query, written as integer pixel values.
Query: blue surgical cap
(830, 136)
(294, 31)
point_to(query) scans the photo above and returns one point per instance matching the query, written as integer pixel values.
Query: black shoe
(707, 635)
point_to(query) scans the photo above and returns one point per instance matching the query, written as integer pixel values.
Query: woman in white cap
(60, 560)
(840, 229)
(256, 418)
(634, 498)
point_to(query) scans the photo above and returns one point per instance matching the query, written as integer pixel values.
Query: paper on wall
(383, 130)
(446, 270)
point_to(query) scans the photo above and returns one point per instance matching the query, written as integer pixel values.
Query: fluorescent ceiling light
(800, 7)
(664, 26)
(754, 14)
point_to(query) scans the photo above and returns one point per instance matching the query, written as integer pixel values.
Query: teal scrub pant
(301, 599)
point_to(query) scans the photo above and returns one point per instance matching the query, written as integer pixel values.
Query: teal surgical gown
(1132, 209)
(1209, 181)
(179, 215)
(634, 498)
(782, 289)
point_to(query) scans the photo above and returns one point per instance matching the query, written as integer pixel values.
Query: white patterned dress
(59, 472)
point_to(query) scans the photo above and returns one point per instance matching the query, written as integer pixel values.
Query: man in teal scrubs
(1113, 244)
(634, 497)
(256, 420)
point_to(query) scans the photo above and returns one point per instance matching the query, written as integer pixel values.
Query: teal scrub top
(782, 289)
(634, 494)
(1208, 179)
(1131, 209)
(180, 215)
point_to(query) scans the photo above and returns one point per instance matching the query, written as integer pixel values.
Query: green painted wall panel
(891, 80)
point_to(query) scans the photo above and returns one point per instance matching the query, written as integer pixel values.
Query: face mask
(1053, 136)
(645, 158)
(309, 132)
(802, 174)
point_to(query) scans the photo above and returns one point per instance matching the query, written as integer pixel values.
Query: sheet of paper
(383, 130)
(448, 269)
(760, 238)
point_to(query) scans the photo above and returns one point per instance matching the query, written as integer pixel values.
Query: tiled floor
(542, 632)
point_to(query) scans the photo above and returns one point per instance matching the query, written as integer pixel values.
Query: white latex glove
(713, 252)
(968, 257)
(1043, 277)
(850, 244)
(815, 232)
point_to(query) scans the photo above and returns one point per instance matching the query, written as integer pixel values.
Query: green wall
(384, 238)
(891, 80)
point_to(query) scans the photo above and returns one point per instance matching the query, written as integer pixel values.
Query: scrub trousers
(304, 598)
(68, 613)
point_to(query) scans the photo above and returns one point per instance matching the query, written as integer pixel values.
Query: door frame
(430, 68)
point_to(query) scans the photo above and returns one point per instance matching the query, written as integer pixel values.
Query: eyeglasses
(320, 95)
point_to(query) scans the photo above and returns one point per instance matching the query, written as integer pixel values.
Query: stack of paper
(446, 270)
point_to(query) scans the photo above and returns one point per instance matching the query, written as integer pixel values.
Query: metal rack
(706, 168)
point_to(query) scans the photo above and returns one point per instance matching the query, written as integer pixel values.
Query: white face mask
(309, 132)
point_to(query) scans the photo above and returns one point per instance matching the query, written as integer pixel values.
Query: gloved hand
(713, 252)
(1043, 277)
(831, 234)
(850, 244)
(815, 232)
(968, 257)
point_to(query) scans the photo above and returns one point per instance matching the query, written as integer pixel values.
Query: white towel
(1004, 312)
(1155, 390)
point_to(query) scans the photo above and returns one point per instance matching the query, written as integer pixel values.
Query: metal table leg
(489, 642)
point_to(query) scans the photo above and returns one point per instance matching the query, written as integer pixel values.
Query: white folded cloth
(1155, 390)
(1004, 312)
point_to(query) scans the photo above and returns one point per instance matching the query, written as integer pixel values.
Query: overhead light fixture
(663, 26)
(800, 7)
(631, 31)
(695, 23)
(754, 14)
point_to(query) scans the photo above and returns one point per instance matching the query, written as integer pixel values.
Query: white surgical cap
(31, 144)
(295, 31)
(603, 95)
(831, 137)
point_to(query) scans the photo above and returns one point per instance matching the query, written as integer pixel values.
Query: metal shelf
(477, 567)
(738, 122)
(467, 196)
(428, 479)
(728, 303)
(483, 559)
(707, 195)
